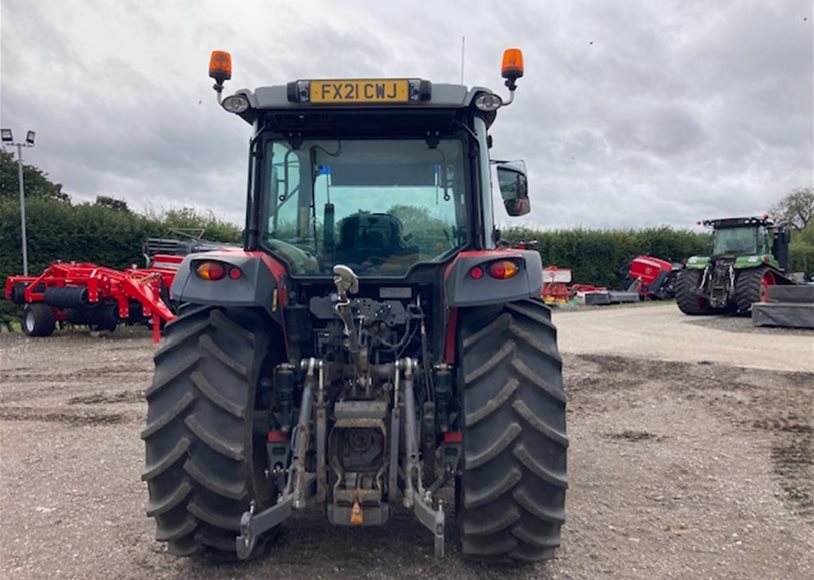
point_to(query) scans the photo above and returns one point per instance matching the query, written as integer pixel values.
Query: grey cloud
(630, 114)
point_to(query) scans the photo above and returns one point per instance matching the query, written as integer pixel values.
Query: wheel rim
(29, 321)
(766, 281)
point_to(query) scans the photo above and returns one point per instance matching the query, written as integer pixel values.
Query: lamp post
(8, 140)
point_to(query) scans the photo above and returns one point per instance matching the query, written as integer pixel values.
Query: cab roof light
(488, 102)
(236, 104)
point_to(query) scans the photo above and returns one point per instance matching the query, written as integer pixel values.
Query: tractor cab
(382, 175)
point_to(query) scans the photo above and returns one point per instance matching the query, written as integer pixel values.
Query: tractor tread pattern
(686, 299)
(535, 422)
(494, 404)
(169, 502)
(748, 287)
(186, 527)
(512, 493)
(164, 420)
(492, 524)
(167, 460)
(199, 433)
(213, 483)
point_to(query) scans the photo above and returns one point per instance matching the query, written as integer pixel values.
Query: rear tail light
(453, 437)
(476, 273)
(503, 269)
(211, 270)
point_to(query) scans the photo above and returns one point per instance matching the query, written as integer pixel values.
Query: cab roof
(440, 96)
(739, 222)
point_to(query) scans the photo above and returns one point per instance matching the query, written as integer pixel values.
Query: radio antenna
(463, 52)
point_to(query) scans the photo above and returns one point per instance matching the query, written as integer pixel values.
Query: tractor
(373, 343)
(748, 255)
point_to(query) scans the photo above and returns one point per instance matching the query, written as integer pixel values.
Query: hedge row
(105, 234)
(111, 235)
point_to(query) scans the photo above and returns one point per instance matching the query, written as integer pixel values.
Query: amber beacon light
(220, 69)
(220, 66)
(511, 68)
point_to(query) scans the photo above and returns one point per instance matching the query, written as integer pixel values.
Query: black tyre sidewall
(500, 394)
(38, 320)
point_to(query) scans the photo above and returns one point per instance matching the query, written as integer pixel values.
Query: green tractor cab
(748, 255)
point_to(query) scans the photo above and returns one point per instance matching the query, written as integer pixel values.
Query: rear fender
(463, 290)
(261, 283)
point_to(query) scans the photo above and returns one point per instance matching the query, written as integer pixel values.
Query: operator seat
(371, 237)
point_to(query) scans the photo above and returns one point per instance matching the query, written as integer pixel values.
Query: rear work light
(488, 102)
(212, 271)
(503, 269)
(236, 104)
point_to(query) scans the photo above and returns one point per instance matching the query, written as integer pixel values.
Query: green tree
(430, 234)
(796, 208)
(35, 180)
(112, 203)
(213, 229)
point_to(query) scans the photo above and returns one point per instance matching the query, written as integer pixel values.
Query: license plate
(360, 91)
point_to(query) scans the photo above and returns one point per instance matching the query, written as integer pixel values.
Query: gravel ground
(683, 464)
(661, 331)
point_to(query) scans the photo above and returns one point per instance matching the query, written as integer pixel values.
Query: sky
(631, 113)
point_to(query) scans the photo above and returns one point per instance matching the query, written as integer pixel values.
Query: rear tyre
(18, 293)
(105, 317)
(204, 461)
(687, 300)
(38, 320)
(753, 286)
(511, 496)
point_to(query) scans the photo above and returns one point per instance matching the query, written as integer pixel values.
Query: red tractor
(371, 343)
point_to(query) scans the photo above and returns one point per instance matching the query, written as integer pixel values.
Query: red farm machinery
(103, 298)
(99, 297)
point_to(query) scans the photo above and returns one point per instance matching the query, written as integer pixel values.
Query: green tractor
(749, 254)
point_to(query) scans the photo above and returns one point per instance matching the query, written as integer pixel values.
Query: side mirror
(511, 177)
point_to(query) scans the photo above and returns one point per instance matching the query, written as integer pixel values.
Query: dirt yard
(691, 457)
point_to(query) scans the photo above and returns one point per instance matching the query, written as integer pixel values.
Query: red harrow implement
(102, 298)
